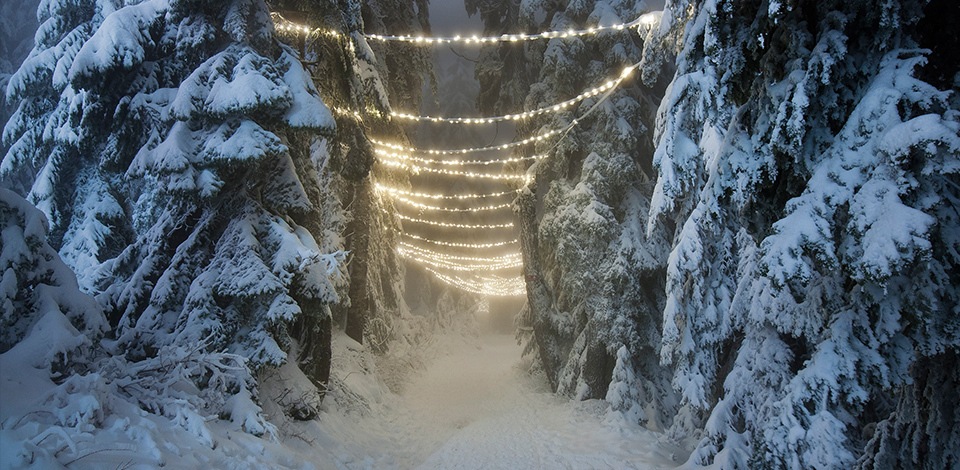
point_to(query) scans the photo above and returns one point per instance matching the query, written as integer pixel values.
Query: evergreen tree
(503, 72)
(166, 142)
(18, 22)
(805, 165)
(593, 322)
(39, 294)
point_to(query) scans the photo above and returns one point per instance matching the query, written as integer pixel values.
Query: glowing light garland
(468, 174)
(395, 191)
(419, 205)
(501, 286)
(443, 256)
(644, 22)
(407, 157)
(526, 114)
(461, 245)
(570, 33)
(347, 113)
(454, 266)
(501, 147)
(518, 143)
(449, 225)
(284, 25)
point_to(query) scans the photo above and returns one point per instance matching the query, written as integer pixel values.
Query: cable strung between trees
(454, 266)
(390, 190)
(468, 174)
(440, 161)
(461, 245)
(420, 205)
(447, 224)
(642, 23)
(443, 256)
(609, 85)
(499, 286)
(489, 148)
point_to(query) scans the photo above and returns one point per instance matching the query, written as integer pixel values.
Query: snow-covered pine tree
(165, 140)
(409, 66)
(39, 296)
(593, 322)
(811, 176)
(18, 23)
(372, 308)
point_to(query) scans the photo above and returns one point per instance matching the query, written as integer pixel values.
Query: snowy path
(474, 409)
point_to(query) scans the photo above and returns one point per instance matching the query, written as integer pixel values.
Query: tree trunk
(359, 245)
(539, 297)
(313, 333)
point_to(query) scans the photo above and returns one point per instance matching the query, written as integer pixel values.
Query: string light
(500, 287)
(468, 174)
(510, 145)
(570, 33)
(461, 245)
(407, 157)
(419, 205)
(287, 26)
(644, 21)
(443, 256)
(454, 266)
(450, 225)
(610, 84)
(388, 189)
(347, 113)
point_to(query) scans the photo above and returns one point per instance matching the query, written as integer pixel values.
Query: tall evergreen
(594, 323)
(168, 143)
(808, 168)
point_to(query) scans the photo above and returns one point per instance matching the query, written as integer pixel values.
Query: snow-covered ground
(499, 417)
(464, 402)
(474, 407)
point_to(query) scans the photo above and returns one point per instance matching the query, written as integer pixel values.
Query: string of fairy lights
(450, 224)
(422, 206)
(519, 143)
(440, 161)
(610, 84)
(446, 257)
(417, 169)
(461, 245)
(403, 192)
(642, 23)
(465, 271)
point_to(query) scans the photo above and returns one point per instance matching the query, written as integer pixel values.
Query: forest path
(480, 410)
